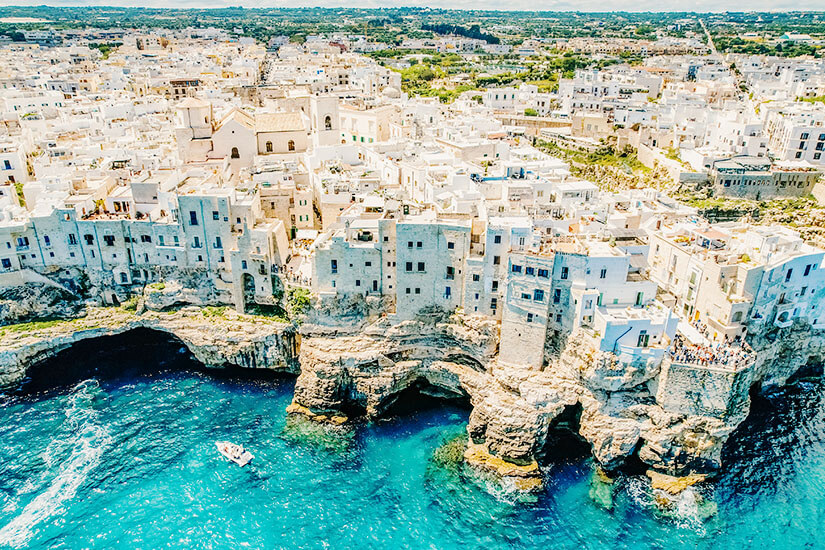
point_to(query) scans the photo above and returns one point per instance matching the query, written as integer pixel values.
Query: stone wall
(704, 391)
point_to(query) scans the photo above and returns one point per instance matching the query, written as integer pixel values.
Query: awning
(693, 335)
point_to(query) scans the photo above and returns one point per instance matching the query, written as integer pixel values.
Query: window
(450, 245)
(476, 277)
(603, 273)
(497, 239)
(529, 317)
(421, 266)
(216, 215)
(290, 145)
(450, 272)
(367, 264)
(495, 286)
(644, 339)
(89, 238)
(333, 265)
(357, 282)
(408, 290)
(493, 303)
(496, 260)
(46, 240)
(418, 244)
(243, 264)
(447, 292)
(160, 240)
(564, 272)
(145, 238)
(515, 268)
(6, 263)
(418, 291)
(328, 122)
(409, 244)
(544, 274)
(123, 278)
(268, 146)
(218, 243)
(109, 240)
(235, 154)
(72, 239)
(193, 217)
(525, 295)
(529, 270)
(538, 295)
(807, 270)
(197, 243)
(788, 275)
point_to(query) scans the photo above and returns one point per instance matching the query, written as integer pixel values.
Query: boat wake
(85, 442)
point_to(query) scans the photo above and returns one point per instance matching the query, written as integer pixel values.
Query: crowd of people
(729, 353)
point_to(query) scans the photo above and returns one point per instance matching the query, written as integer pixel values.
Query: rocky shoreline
(629, 414)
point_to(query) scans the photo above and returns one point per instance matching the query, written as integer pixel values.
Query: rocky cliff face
(624, 411)
(36, 300)
(217, 338)
(673, 418)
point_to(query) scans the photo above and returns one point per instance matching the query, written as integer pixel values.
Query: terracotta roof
(279, 122)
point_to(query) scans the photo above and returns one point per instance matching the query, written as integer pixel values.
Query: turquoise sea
(129, 461)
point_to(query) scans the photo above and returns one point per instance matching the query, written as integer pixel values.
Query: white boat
(235, 453)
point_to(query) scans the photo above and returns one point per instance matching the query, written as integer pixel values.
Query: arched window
(235, 153)
(328, 122)
(290, 145)
(268, 146)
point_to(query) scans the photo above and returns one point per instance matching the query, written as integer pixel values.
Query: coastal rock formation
(366, 368)
(674, 418)
(217, 337)
(32, 300)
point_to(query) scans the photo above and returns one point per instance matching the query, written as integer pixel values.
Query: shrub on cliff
(298, 301)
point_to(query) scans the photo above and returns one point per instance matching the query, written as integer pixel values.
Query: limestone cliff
(674, 418)
(217, 337)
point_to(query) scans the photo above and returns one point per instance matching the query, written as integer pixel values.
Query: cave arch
(134, 352)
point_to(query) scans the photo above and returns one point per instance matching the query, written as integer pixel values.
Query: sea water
(130, 462)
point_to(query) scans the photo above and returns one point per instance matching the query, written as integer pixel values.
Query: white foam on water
(88, 442)
(683, 509)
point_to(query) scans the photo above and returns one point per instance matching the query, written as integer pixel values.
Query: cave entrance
(137, 352)
(563, 440)
(423, 395)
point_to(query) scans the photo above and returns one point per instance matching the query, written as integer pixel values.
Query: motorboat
(235, 453)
